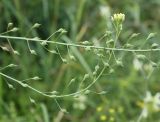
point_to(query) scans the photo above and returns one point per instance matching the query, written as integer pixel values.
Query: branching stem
(80, 45)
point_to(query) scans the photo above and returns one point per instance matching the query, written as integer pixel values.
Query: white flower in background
(148, 97)
(80, 102)
(144, 113)
(156, 100)
(105, 11)
(148, 67)
(137, 64)
(151, 104)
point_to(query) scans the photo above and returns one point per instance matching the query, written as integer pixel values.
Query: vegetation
(79, 61)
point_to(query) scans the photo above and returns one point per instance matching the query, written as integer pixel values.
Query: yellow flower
(103, 117)
(140, 104)
(99, 109)
(120, 109)
(111, 110)
(111, 119)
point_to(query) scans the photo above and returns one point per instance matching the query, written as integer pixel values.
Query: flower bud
(118, 18)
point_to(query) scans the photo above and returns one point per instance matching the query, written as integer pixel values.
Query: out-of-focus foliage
(84, 20)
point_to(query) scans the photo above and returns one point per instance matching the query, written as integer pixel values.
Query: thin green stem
(79, 45)
(52, 96)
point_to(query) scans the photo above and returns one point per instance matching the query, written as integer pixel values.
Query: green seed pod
(86, 76)
(155, 45)
(111, 70)
(36, 25)
(140, 56)
(10, 25)
(128, 45)
(72, 58)
(36, 78)
(151, 35)
(12, 65)
(88, 48)
(94, 73)
(96, 67)
(32, 100)
(61, 30)
(106, 64)
(154, 64)
(10, 86)
(14, 29)
(85, 42)
(4, 48)
(16, 52)
(52, 51)
(33, 52)
(44, 43)
(64, 60)
(87, 92)
(134, 35)
(119, 63)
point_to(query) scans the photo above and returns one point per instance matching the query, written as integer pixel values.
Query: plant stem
(80, 45)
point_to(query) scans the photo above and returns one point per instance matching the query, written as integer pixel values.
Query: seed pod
(4, 48)
(88, 48)
(119, 63)
(32, 100)
(14, 29)
(106, 64)
(85, 42)
(86, 76)
(36, 78)
(12, 65)
(87, 92)
(16, 52)
(151, 35)
(111, 70)
(154, 45)
(61, 30)
(44, 43)
(33, 52)
(96, 67)
(36, 25)
(134, 35)
(140, 56)
(10, 25)
(64, 60)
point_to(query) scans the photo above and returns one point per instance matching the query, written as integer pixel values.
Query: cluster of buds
(119, 18)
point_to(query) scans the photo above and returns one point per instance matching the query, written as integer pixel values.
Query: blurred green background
(84, 20)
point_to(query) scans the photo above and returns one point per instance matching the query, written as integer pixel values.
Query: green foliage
(81, 63)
